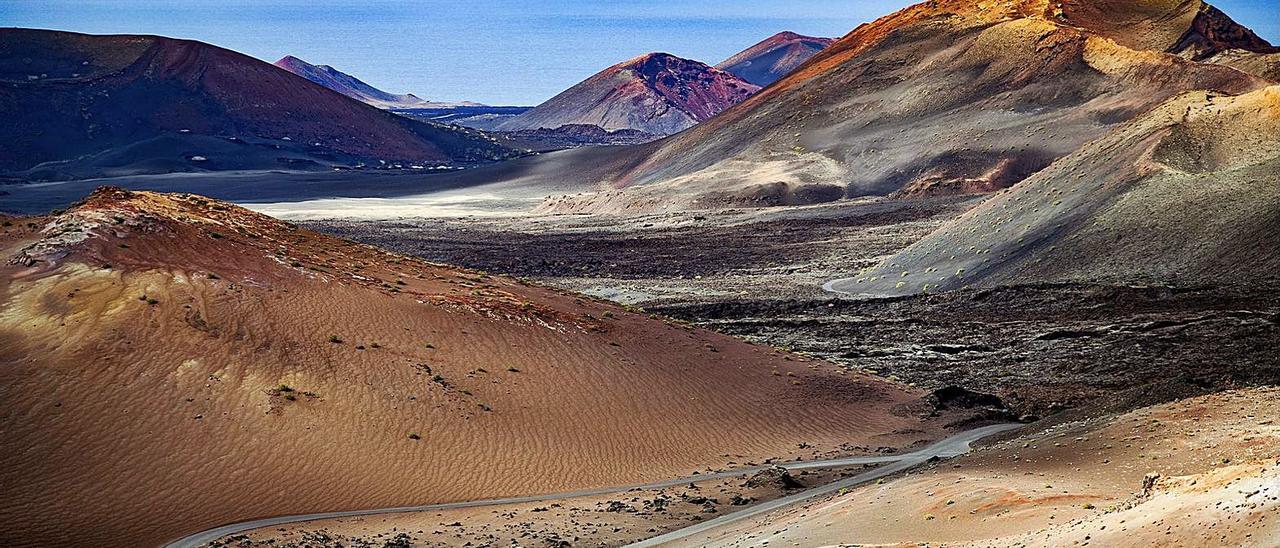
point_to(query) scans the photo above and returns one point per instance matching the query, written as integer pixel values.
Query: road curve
(949, 447)
(835, 286)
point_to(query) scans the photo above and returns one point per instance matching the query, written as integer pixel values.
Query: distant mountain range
(81, 106)
(773, 58)
(656, 93)
(661, 94)
(354, 88)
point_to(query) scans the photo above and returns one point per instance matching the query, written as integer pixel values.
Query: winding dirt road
(953, 446)
(949, 447)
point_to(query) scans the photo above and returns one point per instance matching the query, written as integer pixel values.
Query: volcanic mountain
(177, 363)
(773, 58)
(656, 93)
(354, 88)
(945, 97)
(1186, 195)
(78, 105)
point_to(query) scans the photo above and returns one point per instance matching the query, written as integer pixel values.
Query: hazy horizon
(497, 52)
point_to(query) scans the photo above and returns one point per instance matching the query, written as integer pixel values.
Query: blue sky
(494, 51)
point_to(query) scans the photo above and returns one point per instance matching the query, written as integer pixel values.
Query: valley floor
(1077, 360)
(1144, 430)
(757, 274)
(602, 520)
(1203, 471)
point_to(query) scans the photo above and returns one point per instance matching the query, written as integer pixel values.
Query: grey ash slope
(1186, 195)
(355, 88)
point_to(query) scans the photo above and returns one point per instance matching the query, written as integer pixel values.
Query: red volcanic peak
(693, 87)
(657, 93)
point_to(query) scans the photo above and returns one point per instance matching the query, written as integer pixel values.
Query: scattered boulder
(1149, 483)
(775, 476)
(618, 506)
(956, 397)
(695, 499)
(986, 407)
(401, 540)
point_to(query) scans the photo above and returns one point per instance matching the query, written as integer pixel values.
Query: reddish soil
(173, 363)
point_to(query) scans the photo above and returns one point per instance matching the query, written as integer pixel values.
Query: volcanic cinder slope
(656, 93)
(1201, 472)
(170, 363)
(945, 97)
(355, 88)
(77, 105)
(774, 57)
(1188, 194)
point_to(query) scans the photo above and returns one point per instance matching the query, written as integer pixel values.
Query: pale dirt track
(949, 447)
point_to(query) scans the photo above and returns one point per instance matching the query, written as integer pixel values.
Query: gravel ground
(757, 274)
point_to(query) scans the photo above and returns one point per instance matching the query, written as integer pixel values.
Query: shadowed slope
(1186, 195)
(171, 363)
(79, 105)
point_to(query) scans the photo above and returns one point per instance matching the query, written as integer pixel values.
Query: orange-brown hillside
(170, 363)
(944, 97)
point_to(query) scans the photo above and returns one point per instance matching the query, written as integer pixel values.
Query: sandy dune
(172, 363)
